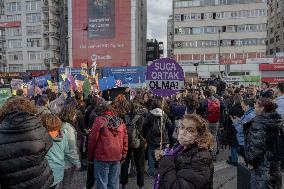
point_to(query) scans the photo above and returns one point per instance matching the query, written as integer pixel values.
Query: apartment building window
(11, 32)
(13, 18)
(33, 5)
(33, 17)
(225, 43)
(14, 43)
(221, 15)
(16, 68)
(15, 56)
(34, 30)
(35, 67)
(202, 3)
(34, 42)
(34, 55)
(13, 7)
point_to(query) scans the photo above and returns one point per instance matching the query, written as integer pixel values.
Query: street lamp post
(219, 50)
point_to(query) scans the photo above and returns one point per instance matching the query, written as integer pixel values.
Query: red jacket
(108, 142)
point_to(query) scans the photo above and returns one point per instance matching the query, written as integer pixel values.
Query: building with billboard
(275, 37)
(33, 34)
(111, 33)
(212, 34)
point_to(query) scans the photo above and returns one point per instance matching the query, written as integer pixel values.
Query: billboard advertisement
(101, 33)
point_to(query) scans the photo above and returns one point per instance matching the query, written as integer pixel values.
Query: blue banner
(107, 83)
(75, 72)
(41, 81)
(127, 75)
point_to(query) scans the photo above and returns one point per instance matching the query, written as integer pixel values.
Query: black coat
(235, 110)
(24, 142)
(259, 136)
(192, 169)
(152, 128)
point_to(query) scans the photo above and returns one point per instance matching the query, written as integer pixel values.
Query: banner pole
(162, 123)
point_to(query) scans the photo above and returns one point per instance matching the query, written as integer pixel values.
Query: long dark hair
(67, 114)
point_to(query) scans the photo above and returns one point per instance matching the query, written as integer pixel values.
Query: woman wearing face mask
(259, 146)
(193, 166)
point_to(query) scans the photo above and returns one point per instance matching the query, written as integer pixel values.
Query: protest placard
(165, 77)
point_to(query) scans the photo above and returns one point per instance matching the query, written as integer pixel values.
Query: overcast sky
(158, 14)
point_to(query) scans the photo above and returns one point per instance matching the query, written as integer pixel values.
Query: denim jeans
(213, 128)
(151, 160)
(107, 174)
(234, 154)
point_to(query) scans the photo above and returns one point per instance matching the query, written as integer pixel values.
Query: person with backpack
(210, 109)
(107, 147)
(155, 128)
(136, 144)
(262, 146)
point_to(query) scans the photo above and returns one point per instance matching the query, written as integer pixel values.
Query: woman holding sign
(191, 167)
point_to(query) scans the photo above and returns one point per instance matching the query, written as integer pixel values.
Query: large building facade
(218, 33)
(111, 33)
(34, 34)
(275, 36)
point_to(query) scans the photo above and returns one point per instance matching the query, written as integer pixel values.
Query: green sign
(251, 78)
(5, 93)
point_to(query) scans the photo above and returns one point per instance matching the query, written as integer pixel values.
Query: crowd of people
(45, 140)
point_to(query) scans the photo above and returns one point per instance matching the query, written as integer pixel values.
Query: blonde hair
(205, 138)
(213, 89)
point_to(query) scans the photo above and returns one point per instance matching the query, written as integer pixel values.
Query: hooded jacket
(152, 127)
(72, 158)
(247, 117)
(24, 143)
(260, 134)
(192, 169)
(108, 140)
(55, 157)
(57, 105)
(280, 104)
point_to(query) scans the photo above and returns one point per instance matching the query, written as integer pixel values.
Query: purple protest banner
(165, 77)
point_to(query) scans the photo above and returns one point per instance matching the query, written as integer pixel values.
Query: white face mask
(185, 138)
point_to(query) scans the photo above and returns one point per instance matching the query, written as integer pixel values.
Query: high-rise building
(170, 35)
(155, 50)
(275, 36)
(35, 34)
(111, 33)
(212, 34)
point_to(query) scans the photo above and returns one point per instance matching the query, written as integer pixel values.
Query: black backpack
(134, 136)
(277, 145)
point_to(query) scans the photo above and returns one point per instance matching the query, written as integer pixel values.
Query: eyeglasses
(187, 129)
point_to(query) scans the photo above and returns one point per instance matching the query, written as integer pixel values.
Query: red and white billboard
(273, 80)
(10, 24)
(101, 31)
(271, 67)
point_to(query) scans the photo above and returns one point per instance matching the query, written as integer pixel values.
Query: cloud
(158, 14)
